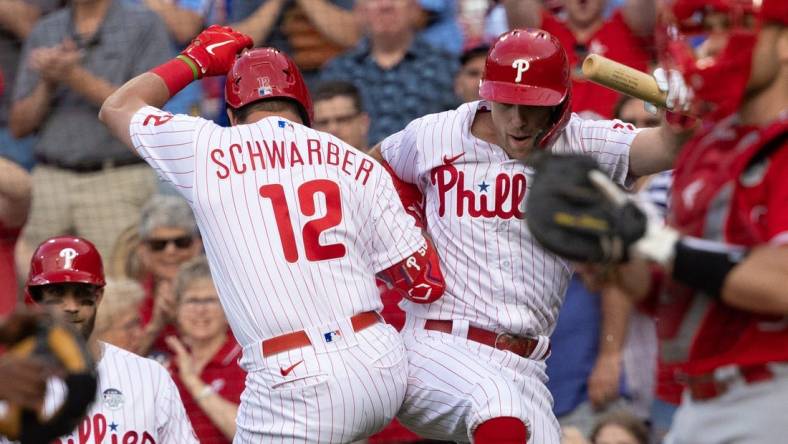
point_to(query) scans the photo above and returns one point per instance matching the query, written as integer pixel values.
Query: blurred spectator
(624, 37)
(584, 368)
(466, 84)
(17, 18)
(85, 182)
(439, 26)
(339, 111)
(399, 75)
(168, 238)
(205, 365)
(14, 206)
(620, 427)
(310, 31)
(632, 110)
(118, 318)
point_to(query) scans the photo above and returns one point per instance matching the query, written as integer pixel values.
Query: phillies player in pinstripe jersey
(137, 400)
(477, 354)
(296, 225)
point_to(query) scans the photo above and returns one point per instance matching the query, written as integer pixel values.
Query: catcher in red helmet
(297, 225)
(714, 277)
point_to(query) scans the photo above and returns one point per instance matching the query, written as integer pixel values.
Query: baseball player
(295, 224)
(136, 400)
(717, 282)
(477, 354)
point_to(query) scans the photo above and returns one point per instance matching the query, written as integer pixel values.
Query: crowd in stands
(372, 66)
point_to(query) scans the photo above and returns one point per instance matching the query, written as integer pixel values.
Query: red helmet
(717, 80)
(65, 259)
(529, 67)
(267, 73)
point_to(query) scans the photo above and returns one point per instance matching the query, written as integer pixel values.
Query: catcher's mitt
(573, 212)
(29, 334)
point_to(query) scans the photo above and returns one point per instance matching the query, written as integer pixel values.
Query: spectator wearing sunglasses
(168, 238)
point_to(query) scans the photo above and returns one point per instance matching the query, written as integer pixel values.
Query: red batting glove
(213, 51)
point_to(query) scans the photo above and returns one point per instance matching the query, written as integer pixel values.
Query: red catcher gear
(418, 277)
(65, 259)
(267, 73)
(718, 81)
(529, 67)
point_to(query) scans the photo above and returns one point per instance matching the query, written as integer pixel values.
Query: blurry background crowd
(372, 66)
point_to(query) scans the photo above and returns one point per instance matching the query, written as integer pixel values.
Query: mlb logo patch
(332, 336)
(264, 87)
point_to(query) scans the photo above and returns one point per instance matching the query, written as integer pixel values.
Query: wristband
(176, 73)
(704, 264)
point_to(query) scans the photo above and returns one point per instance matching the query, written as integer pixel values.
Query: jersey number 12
(312, 229)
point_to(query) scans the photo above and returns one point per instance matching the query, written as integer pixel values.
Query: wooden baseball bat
(623, 79)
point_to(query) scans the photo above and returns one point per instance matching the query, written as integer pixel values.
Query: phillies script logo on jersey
(505, 197)
(94, 429)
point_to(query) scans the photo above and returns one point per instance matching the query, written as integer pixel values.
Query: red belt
(518, 345)
(298, 339)
(706, 386)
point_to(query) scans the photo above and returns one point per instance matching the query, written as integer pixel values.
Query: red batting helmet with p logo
(529, 67)
(65, 259)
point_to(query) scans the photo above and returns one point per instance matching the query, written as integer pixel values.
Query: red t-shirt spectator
(159, 346)
(8, 284)
(614, 40)
(226, 377)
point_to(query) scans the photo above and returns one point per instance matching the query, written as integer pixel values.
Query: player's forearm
(655, 149)
(121, 105)
(336, 24)
(616, 309)
(92, 88)
(757, 284)
(28, 114)
(523, 13)
(18, 17)
(640, 16)
(634, 279)
(259, 25)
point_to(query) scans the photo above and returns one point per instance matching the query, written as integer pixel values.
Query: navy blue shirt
(575, 345)
(421, 83)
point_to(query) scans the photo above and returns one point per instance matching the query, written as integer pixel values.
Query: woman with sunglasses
(168, 238)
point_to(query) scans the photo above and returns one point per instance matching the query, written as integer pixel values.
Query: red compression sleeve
(418, 277)
(502, 430)
(409, 195)
(176, 73)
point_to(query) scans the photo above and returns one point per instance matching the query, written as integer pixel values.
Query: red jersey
(614, 40)
(159, 346)
(728, 187)
(226, 377)
(8, 283)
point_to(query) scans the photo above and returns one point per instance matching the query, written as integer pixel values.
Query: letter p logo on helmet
(521, 65)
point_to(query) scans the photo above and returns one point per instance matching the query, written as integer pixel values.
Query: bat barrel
(623, 79)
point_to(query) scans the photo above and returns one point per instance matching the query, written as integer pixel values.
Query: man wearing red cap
(296, 224)
(477, 354)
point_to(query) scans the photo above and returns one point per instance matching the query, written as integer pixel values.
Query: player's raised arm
(211, 53)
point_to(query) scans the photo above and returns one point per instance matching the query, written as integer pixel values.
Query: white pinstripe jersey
(136, 402)
(295, 222)
(497, 277)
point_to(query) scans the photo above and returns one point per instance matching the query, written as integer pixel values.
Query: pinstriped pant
(455, 384)
(336, 392)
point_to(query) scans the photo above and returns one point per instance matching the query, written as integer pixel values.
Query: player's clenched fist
(213, 51)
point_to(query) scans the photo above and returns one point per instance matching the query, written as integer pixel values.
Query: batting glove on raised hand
(213, 51)
(576, 211)
(679, 95)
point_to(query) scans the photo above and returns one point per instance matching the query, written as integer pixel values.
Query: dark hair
(627, 421)
(473, 52)
(272, 105)
(333, 88)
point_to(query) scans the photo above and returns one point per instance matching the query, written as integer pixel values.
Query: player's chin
(519, 147)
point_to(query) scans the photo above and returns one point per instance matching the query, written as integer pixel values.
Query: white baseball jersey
(295, 222)
(497, 277)
(136, 402)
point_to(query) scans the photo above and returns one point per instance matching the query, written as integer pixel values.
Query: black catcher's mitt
(575, 211)
(37, 334)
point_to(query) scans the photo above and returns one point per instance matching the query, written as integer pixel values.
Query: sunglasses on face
(181, 243)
